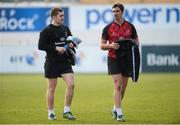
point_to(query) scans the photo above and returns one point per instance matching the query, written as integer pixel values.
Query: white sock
(114, 108)
(66, 109)
(51, 111)
(119, 111)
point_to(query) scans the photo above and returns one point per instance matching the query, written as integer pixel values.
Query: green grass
(154, 99)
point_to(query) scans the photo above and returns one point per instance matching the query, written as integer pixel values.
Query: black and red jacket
(113, 32)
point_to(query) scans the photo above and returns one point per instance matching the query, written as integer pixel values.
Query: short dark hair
(120, 6)
(55, 10)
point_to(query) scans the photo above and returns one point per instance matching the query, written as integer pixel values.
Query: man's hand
(114, 46)
(105, 46)
(60, 50)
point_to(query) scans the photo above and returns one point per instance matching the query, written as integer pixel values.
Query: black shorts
(54, 69)
(117, 66)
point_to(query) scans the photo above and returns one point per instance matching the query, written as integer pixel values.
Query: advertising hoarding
(160, 59)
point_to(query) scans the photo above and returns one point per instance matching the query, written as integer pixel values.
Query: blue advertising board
(161, 58)
(27, 19)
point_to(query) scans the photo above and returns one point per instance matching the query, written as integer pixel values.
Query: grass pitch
(154, 99)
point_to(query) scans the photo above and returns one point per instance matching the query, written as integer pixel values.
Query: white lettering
(30, 23)
(22, 23)
(3, 23)
(162, 60)
(12, 24)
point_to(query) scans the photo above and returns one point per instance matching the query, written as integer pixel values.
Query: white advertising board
(91, 59)
(145, 16)
(21, 59)
(155, 24)
(27, 59)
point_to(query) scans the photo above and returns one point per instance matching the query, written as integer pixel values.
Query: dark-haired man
(119, 29)
(51, 40)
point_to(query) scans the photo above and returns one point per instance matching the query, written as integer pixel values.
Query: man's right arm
(44, 43)
(104, 45)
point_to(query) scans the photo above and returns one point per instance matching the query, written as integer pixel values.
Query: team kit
(119, 38)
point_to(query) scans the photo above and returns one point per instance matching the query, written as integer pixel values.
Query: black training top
(53, 36)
